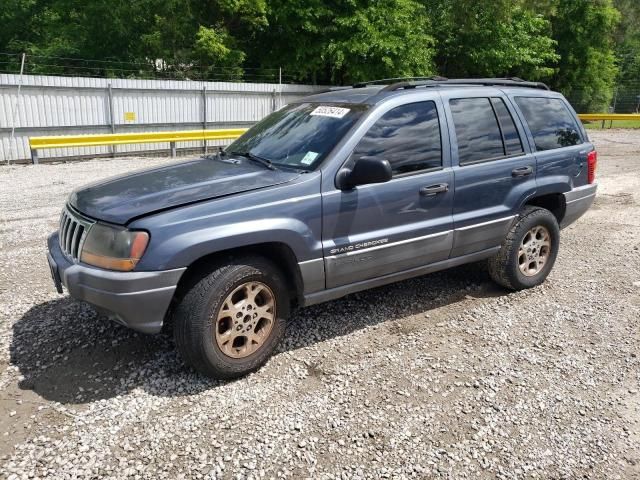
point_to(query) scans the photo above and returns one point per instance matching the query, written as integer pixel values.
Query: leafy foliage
(627, 95)
(581, 47)
(491, 38)
(348, 41)
(146, 35)
(587, 68)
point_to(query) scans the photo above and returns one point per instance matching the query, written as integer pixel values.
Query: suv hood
(121, 199)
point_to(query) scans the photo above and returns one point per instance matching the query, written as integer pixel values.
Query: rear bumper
(138, 300)
(578, 202)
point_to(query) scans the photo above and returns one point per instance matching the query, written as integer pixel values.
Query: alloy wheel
(245, 319)
(535, 250)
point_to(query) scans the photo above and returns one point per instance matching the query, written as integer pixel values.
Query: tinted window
(407, 136)
(512, 143)
(477, 130)
(550, 122)
(299, 135)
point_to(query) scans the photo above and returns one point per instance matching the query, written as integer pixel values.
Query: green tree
(586, 73)
(581, 47)
(347, 41)
(161, 36)
(18, 22)
(488, 38)
(212, 34)
(627, 50)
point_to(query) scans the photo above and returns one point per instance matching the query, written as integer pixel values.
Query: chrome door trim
(388, 245)
(480, 236)
(341, 291)
(490, 222)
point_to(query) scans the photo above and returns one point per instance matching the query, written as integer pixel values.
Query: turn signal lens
(113, 248)
(592, 162)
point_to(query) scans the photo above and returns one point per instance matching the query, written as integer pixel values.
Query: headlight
(113, 248)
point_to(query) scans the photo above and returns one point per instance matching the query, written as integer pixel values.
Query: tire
(213, 345)
(512, 267)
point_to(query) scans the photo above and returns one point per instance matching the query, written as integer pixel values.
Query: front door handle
(522, 171)
(432, 190)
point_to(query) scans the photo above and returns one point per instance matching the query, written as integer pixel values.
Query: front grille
(73, 230)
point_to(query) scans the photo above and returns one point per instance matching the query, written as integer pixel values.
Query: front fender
(290, 214)
(186, 247)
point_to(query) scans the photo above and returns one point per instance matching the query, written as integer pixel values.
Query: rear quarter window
(550, 121)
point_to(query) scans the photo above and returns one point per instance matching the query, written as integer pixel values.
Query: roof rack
(392, 84)
(394, 80)
(488, 82)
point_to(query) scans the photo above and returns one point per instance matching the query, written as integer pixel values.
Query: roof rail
(497, 82)
(394, 80)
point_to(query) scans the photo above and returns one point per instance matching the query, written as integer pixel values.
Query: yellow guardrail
(594, 117)
(67, 141)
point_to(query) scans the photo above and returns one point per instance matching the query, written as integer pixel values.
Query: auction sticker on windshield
(326, 111)
(309, 158)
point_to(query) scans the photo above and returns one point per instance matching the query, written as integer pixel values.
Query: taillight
(592, 161)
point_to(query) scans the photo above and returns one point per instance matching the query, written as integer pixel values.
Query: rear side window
(407, 136)
(477, 130)
(550, 122)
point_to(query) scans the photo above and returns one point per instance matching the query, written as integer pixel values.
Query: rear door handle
(522, 171)
(432, 190)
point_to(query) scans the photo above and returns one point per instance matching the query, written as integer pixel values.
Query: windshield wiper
(265, 162)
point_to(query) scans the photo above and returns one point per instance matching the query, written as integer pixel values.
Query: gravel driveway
(446, 375)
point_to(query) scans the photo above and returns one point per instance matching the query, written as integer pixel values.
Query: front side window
(299, 135)
(407, 136)
(477, 130)
(550, 122)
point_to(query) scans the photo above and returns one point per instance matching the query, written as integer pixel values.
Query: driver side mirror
(366, 170)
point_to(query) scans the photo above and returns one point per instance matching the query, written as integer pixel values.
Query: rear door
(379, 229)
(493, 168)
(560, 144)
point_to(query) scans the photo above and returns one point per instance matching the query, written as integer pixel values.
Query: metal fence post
(112, 121)
(204, 115)
(14, 114)
(280, 88)
(172, 146)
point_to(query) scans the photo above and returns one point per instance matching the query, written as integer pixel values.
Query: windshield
(298, 135)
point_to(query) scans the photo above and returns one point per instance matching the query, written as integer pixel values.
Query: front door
(380, 229)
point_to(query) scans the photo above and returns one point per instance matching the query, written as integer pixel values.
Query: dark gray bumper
(138, 300)
(578, 202)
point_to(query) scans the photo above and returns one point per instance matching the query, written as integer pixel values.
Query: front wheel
(529, 251)
(230, 322)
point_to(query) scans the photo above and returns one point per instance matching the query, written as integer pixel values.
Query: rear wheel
(528, 252)
(230, 322)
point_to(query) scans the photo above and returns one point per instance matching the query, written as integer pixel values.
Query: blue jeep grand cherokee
(336, 193)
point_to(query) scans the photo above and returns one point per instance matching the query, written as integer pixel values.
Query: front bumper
(138, 300)
(577, 203)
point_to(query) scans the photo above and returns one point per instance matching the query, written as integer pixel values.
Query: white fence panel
(50, 105)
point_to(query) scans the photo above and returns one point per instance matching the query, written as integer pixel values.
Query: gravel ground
(441, 376)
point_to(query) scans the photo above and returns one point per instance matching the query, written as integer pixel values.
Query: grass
(596, 125)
